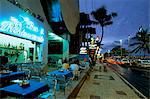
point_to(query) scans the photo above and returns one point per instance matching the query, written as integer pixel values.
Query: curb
(76, 90)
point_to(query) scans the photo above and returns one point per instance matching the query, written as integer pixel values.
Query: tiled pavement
(105, 85)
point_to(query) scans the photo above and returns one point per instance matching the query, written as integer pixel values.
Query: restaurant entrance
(19, 50)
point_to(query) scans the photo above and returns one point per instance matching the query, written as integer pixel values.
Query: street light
(121, 47)
(108, 51)
(129, 44)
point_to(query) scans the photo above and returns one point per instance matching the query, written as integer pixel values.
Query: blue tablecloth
(6, 78)
(12, 74)
(33, 90)
(66, 73)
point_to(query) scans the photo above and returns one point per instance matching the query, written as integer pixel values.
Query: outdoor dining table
(6, 78)
(11, 75)
(32, 91)
(66, 73)
(61, 76)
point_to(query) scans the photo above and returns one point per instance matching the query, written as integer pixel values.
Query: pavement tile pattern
(105, 85)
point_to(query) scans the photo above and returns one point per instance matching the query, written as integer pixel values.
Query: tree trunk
(102, 35)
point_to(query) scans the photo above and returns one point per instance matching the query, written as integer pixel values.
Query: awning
(53, 36)
(70, 13)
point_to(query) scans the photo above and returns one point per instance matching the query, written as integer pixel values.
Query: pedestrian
(75, 69)
(59, 63)
(105, 69)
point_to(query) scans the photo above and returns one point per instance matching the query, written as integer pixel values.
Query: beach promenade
(105, 85)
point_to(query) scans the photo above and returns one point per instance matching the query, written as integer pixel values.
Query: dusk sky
(131, 15)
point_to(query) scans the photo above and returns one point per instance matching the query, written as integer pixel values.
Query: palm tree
(103, 18)
(141, 42)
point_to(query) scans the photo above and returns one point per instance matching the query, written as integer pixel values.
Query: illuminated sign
(92, 46)
(22, 27)
(83, 50)
(16, 22)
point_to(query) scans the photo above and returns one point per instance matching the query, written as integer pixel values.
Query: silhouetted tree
(117, 50)
(141, 42)
(84, 29)
(103, 18)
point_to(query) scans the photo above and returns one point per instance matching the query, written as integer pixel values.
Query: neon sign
(22, 27)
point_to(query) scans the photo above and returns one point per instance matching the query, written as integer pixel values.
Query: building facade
(23, 31)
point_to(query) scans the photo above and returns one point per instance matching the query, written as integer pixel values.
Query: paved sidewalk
(105, 85)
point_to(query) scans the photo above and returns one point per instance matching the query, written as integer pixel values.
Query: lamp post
(121, 47)
(129, 45)
(108, 53)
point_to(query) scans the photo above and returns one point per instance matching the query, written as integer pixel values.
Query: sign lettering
(22, 27)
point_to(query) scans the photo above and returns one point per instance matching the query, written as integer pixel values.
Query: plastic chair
(63, 82)
(76, 74)
(37, 73)
(52, 82)
(27, 72)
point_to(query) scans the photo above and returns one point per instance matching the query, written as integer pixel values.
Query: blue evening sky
(131, 15)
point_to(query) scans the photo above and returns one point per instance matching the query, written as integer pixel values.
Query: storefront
(57, 47)
(21, 35)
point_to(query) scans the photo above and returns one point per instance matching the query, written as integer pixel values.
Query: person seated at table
(65, 65)
(84, 64)
(75, 68)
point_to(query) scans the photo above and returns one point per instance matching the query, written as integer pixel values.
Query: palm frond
(134, 38)
(136, 49)
(133, 44)
(148, 48)
(108, 18)
(95, 22)
(114, 14)
(142, 41)
(108, 23)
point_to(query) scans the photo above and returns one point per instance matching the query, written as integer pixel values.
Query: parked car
(125, 60)
(143, 63)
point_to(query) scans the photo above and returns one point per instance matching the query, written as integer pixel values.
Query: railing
(20, 66)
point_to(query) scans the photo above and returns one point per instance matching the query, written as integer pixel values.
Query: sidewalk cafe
(58, 83)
